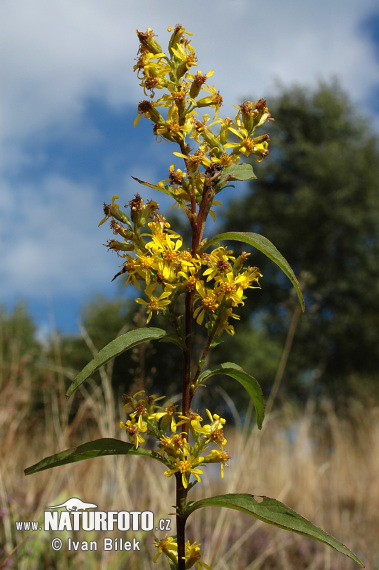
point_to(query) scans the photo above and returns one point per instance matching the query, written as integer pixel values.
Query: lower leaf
(273, 512)
(89, 450)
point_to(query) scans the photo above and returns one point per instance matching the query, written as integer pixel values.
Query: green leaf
(273, 512)
(164, 189)
(247, 381)
(266, 247)
(113, 349)
(174, 340)
(237, 172)
(146, 183)
(89, 450)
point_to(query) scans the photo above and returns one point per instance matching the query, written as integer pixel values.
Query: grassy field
(326, 470)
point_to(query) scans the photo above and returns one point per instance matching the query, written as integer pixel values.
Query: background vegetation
(317, 199)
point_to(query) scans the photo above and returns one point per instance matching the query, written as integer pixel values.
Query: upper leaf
(247, 381)
(89, 450)
(113, 349)
(273, 512)
(237, 172)
(265, 246)
(164, 189)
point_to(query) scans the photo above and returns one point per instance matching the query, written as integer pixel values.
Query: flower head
(134, 430)
(193, 556)
(167, 546)
(155, 303)
(186, 467)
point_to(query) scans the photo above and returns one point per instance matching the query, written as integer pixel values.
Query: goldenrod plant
(200, 286)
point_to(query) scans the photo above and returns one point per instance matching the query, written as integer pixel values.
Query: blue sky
(68, 99)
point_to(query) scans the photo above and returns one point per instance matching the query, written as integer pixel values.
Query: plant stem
(197, 226)
(180, 521)
(186, 402)
(186, 396)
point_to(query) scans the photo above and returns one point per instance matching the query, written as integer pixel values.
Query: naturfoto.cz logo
(76, 515)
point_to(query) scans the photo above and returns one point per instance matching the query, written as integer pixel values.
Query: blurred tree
(317, 200)
(19, 346)
(22, 361)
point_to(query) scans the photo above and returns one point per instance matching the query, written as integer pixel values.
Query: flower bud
(210, 101)
(147, 108)
(147, 212)
(120, 246)
(147, 41)
(120, 216)
(176, 38)
(119, 229)
(198, 81)
(224, 131)
(211, 139)
(237, 265)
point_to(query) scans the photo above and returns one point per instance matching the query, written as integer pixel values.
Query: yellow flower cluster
(178, 454)
(157, 259)
(152, 253)
(169, 547)
(176, 114)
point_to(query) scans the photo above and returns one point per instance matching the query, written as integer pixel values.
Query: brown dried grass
(327, 470)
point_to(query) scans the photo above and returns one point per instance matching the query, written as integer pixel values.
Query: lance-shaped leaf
(113, 349)
(89, 450)
(164, 189)
(247, 381)
(146, 183)
(265, 246)
(273, 512)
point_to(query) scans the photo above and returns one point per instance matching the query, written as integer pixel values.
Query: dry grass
(328, 472)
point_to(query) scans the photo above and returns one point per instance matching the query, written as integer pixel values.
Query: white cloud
(51, 242)
(56, 54)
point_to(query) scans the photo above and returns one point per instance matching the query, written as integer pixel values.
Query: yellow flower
(167, 417)
(145, 264)
(198, 81)
(140, 406)
(196, 159)
(248, 277)
(208, 301)
(212, 100)
(217, 456)
(167, 258)
(109, 209)
(213, 432)
(175, 178)
(249, 145)
(192, 556)
(155, 68)
(155, 303)
(219, 262)
(134, 428)
(229, 288)
(169, 547)
(175, 446)
(186, 467)
(162, 242)
(224, 322)
(186, 54)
